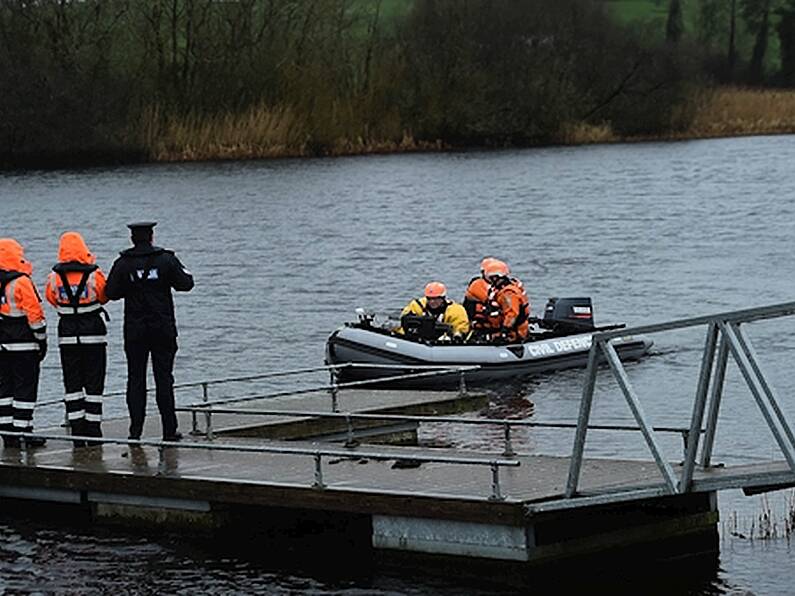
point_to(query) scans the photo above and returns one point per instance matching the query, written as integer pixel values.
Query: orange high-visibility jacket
(22, 323)
(515, 310)
(76, 288)
(484, 313)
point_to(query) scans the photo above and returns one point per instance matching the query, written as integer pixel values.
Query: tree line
(742, 41)
(97, 80)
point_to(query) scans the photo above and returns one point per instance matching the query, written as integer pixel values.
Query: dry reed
(737, 111)
(267, 131)
(768, 523)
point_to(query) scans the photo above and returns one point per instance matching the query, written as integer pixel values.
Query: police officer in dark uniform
(144, 276)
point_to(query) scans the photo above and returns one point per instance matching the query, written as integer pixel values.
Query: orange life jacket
(484, 312)
(514, 309)
(22, 323)
(76, 288)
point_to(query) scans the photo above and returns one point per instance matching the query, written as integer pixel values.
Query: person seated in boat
(436, 306)
(483, 311)
(509, 294)
(477, 288)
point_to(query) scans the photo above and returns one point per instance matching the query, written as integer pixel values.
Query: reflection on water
(283, 251)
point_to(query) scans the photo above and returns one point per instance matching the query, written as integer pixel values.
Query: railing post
(462, 384)
(691, 444)
(496, 493)
(508, 451)
(209, 431)
(207, 414)
(350, 442)
(640, 417)
(333, 391)
(318, 483)
(194, 416)
(715, 394)
(761, 392)
(748, 348)
(582, 422)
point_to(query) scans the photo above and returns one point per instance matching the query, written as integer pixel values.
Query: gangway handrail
(724, 336)
(317, 453)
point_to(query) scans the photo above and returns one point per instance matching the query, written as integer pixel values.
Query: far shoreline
(726, 113)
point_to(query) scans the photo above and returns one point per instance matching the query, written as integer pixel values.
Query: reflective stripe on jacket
(77, 291)
(22, 323)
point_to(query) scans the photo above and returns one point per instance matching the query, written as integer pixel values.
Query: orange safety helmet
(496, 268)
(435, 289)
(485, 263)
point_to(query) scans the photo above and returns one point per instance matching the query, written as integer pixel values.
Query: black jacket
(144, 276)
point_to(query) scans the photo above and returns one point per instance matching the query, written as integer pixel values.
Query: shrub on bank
(200, 79)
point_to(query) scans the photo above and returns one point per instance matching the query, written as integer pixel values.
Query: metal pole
(748, 348)
(333, 391)
(582, 422)
(508, 451)
(640, 417)
(195, 417)
(758, 392)
(351, 441)
(318, 483)
(207, 415)
(691, 444)
(496, 495)
(462, 385)
(714, 401)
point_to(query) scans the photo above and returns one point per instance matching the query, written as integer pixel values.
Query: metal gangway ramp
(725, 334)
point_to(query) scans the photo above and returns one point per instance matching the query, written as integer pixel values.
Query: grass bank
(265, 132)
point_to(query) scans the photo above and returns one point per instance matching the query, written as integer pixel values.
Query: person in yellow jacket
(435, 305)
(76, 288)
(23, 343)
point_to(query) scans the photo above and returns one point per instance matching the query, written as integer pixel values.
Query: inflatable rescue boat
(562, 339)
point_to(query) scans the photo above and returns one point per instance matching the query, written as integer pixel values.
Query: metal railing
(350, 417)
(724, 336)
(221, 381)
(332, 388)
(317, 454)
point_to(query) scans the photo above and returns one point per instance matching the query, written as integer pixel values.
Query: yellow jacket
(454, 315)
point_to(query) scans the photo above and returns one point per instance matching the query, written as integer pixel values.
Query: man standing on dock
(144, 276)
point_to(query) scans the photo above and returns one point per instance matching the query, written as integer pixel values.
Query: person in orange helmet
(23, 343)
(483, 313)
(435, 304)
(514, 305)
(76, 288)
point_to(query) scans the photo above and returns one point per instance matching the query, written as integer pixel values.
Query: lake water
(283, 251)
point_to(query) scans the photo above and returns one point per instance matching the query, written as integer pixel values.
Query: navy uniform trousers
(162, 351)
(19, 383)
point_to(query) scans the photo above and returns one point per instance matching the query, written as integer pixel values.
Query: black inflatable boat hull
(497, 363)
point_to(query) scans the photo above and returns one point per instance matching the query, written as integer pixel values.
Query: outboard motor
(568, 315)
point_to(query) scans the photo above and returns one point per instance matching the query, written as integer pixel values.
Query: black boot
(78, 429)
(11, 442)
(35, 441)
(93, 430)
